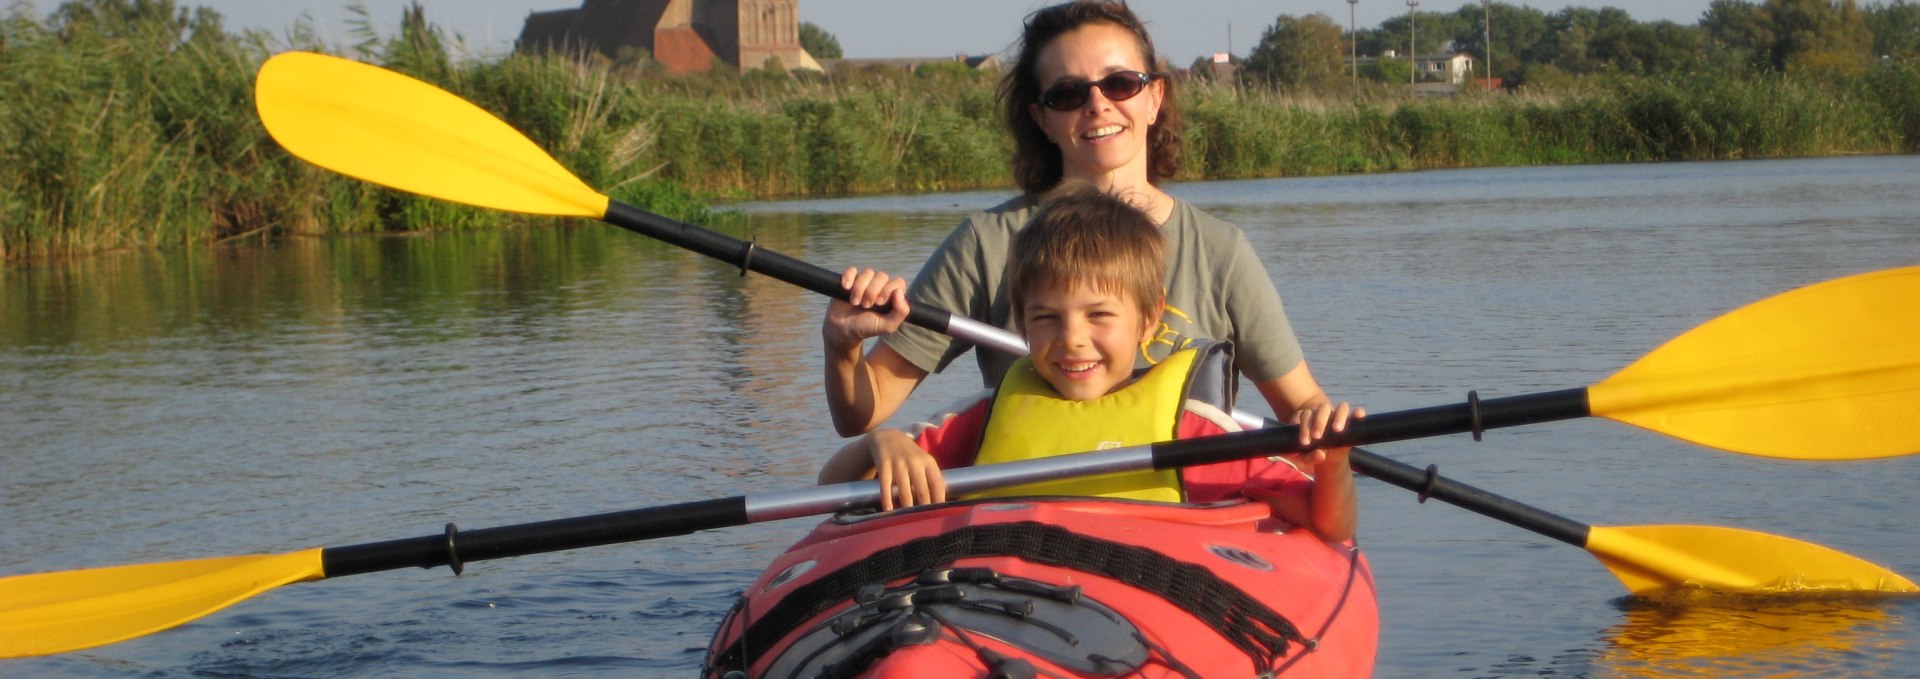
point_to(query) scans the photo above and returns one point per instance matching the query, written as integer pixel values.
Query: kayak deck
(1069, 586)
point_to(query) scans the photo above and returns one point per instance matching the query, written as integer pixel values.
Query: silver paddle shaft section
(818, 500)
(998, 339)
(985, 335)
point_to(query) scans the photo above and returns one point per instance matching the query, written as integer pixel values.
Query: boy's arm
(1329, 507)
(1332, 509)
(1335, 507)
(908, 475)
(853, 462)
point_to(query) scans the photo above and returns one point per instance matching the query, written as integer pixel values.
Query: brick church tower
(684, 36)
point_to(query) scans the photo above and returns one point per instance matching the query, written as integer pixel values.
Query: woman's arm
(1292, 392)
(863, 391)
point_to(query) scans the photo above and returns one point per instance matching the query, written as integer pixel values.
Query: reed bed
(1237, 134)
(136, 130)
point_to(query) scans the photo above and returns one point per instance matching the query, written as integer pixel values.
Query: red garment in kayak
(955, 442)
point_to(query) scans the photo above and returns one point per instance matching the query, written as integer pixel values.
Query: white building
(1452, 68)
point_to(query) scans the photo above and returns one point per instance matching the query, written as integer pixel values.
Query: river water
(325, 392)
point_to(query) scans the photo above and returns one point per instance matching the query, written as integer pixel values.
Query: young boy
(1085, 281)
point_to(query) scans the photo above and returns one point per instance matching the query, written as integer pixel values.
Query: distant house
(982, 62)
(1221, 67)
(684, 36)
(1452, 68)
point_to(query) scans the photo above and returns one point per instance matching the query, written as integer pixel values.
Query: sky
(1182, 29)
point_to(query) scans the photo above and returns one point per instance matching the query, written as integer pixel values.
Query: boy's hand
(851, 322)
(905, 472)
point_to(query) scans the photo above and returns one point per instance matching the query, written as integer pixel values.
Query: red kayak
(1055, 587)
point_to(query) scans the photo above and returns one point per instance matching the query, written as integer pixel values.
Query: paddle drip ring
(453, 555)
(1426, 487)
(1473, 414)
(746, 255)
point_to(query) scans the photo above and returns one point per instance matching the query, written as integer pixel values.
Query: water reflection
(1757, 637)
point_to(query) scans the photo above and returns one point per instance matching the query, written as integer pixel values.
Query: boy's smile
(1083, 342)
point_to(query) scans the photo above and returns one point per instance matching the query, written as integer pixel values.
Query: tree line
(1530, 46)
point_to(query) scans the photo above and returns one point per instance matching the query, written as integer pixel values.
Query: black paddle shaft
(1429, 483)
(1473, 416)
(748, 256)
(455, 548)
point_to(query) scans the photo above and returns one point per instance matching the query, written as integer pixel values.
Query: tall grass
(932, 130)
(1695, 117)
(117, 131)
(129, 123)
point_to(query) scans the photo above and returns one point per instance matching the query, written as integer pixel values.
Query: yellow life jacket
(1029, 420)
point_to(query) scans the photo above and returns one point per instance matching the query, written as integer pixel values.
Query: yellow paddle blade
(1653, 560)
(367, 122)
(56, 612)
(1830, 371)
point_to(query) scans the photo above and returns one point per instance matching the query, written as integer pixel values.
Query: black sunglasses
(1118, 86)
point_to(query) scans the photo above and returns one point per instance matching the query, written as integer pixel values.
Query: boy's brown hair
(1088, 237)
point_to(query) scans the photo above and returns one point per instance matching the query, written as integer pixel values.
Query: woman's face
(1103, 141)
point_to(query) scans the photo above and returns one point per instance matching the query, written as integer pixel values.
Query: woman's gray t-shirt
(1216, 289)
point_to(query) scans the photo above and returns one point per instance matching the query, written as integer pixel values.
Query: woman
(1084, 105)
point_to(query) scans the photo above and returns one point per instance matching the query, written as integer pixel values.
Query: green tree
(1818, 34)
(1434, 32)
(1516, 29)
(1731, 24)
(1583, 40)
(1673, 47)
(1731, 35)
(1388, 70)
(1658, 47)
(156, 23)
(1299, 51)
(1375, 41)
(818, 42)
(1896, 29)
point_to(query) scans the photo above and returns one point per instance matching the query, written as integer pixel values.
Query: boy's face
(1084, 342)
